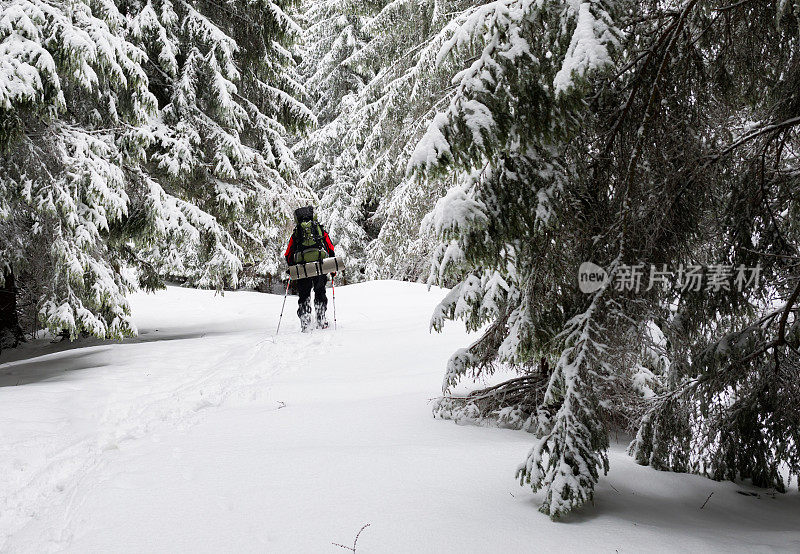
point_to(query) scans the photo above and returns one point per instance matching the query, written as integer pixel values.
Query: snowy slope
(204, 435)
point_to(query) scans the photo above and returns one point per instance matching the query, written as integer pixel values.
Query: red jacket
(290, 249)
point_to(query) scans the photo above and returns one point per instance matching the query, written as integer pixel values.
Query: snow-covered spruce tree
(333, 32)
(385, 118)
(732, 405)
(657, 146)
(228, 95)
(72, 93)
(513, 118)
(411, 85)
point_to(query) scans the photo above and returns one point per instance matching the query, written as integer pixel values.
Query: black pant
(304, 287)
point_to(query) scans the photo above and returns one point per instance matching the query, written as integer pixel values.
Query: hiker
(309, 243)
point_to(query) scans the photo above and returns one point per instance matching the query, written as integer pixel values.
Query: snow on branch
(588, 48)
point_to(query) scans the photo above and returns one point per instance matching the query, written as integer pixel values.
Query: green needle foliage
(624, 133)
(141, 140)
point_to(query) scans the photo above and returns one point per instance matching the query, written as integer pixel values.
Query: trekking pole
(333, 294)
(285, 294)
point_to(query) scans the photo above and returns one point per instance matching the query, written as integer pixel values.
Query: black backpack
(308, 236)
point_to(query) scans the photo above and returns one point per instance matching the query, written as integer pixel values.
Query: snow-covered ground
(204, 435)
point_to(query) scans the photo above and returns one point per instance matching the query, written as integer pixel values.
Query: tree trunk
(10, 331)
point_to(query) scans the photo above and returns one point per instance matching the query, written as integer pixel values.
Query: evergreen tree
(378, 82)
(112, 180)
(334, 33)
(228, 94)
(388, 118)
(576, 142)
(73, 95)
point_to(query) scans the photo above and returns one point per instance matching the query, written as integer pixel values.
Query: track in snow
(204, 435)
